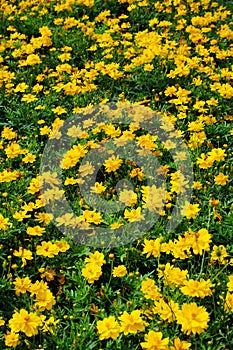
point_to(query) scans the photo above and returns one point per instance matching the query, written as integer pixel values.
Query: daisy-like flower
(98, 188)
(154, 341)
(24, 254)
(108, 328)
(190, 211)
(131, 323)
(230, 283)
(11, 339)
(193, 319)
(194, 288)
(150, 290)
(91, 272)
(228, 305)
(134, 215)
(35, 231)
(180, 345)
(119, 271)
(112, 164)
(219, 254)
(221, 179)
(152, 247)
(25, 322)
(128, 197)
(96, 258)
(22, 285)
(4, 222)
(199, 241)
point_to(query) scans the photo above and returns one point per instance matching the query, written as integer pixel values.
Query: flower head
(193, 319)
(25, 322)
(108, 328)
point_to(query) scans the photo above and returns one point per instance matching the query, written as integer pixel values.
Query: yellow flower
(72, 157)
(219, 254)
(133, 215)
(48, 275)
(44, 299)
(199, 241)
(62, 246)
(8, 133)
(98, 188)
(13, 150)
(137, 172)
(96, 258)
(190, 211)
(66, 219)
(64, 57)
(48, 325)
(76, 131)
(166, 310)
(37, 286)
(153, 198)
(193, 319)
(172, 275)
(11, 339)
(119, 271)
(128, 197)
(34, 185)
(52, 195)
(59, 110)
(180, 345)
(221, 179)
(115, 225)
(32, 60)
(91, 216)
(45, 130)
(230, 283)
(86, 169)
(154, 341)
(197, 185)
(147, 141)
(150, 290)
(108, 328)
(228, 305)
(20, 215)
(152, 247)
(131, 323)
(35, 231)
(112, 164)
(204, 162)
(25, 322)
(24, 254)
(111, 131)
(47, 249)
(72, 181)
(28, 98)
(4, 223)
(43, 218)
(170, 91)
(29, 158)
(91, 272)
(22, 285)
(217, 154)
(194, 288)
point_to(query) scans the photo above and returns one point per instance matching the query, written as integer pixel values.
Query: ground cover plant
(149, 288)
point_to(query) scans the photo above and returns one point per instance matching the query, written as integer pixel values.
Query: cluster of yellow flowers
(28, 323)
(92, 271)
(193, 318)
(65, 56)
